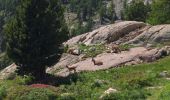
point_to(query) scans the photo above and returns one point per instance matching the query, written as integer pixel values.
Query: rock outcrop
(153, 35)
(126, 32)
(136, 55)
(106, 34)
(8, 72)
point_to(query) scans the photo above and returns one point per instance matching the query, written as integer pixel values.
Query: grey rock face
(153, 35)
(106, 34)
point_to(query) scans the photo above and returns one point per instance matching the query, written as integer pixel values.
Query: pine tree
(101, 14)
(136, 11)
(160, 12)
(111, 12)
(35, 34)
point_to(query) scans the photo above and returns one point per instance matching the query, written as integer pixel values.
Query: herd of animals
(114, 48)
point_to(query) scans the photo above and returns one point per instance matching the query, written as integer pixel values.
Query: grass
(132, 83)
(128, 80)
(92, 50)
(125, 47)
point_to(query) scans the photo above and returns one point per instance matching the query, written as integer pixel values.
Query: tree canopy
(160, 13)
(35, 34)
(137, 11)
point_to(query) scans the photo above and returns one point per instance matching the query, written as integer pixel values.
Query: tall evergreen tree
(160, 12)
(137, 11)
(35, 34)
(111, 12)
(101, 13)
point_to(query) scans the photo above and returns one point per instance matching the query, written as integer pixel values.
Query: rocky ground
(144, 37)
(149, 43)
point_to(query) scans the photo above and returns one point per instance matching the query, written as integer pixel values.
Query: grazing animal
(115, 48)
(97, 62)
(73, 68)
(70, 51)
(74, 51)
(147, 58)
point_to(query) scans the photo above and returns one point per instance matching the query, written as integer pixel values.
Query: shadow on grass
(57, 80)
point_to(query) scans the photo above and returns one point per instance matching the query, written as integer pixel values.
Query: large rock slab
(111, 60)
(106, 34)
(126, 32)
(153, 35)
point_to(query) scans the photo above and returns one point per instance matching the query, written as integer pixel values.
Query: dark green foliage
(160, 13)
(35, 34)
(80, 29)
(101, 13)
(111, 12)
(90, 13)
(84, 8)
(4, 61)
(137, 11)
(7, 9)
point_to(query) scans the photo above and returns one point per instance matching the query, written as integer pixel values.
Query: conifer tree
(35, 34)
(160, 12)
(137, 11)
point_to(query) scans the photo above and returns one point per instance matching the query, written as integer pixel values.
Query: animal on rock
(70, 69)
(115, 48)
(97, 62)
